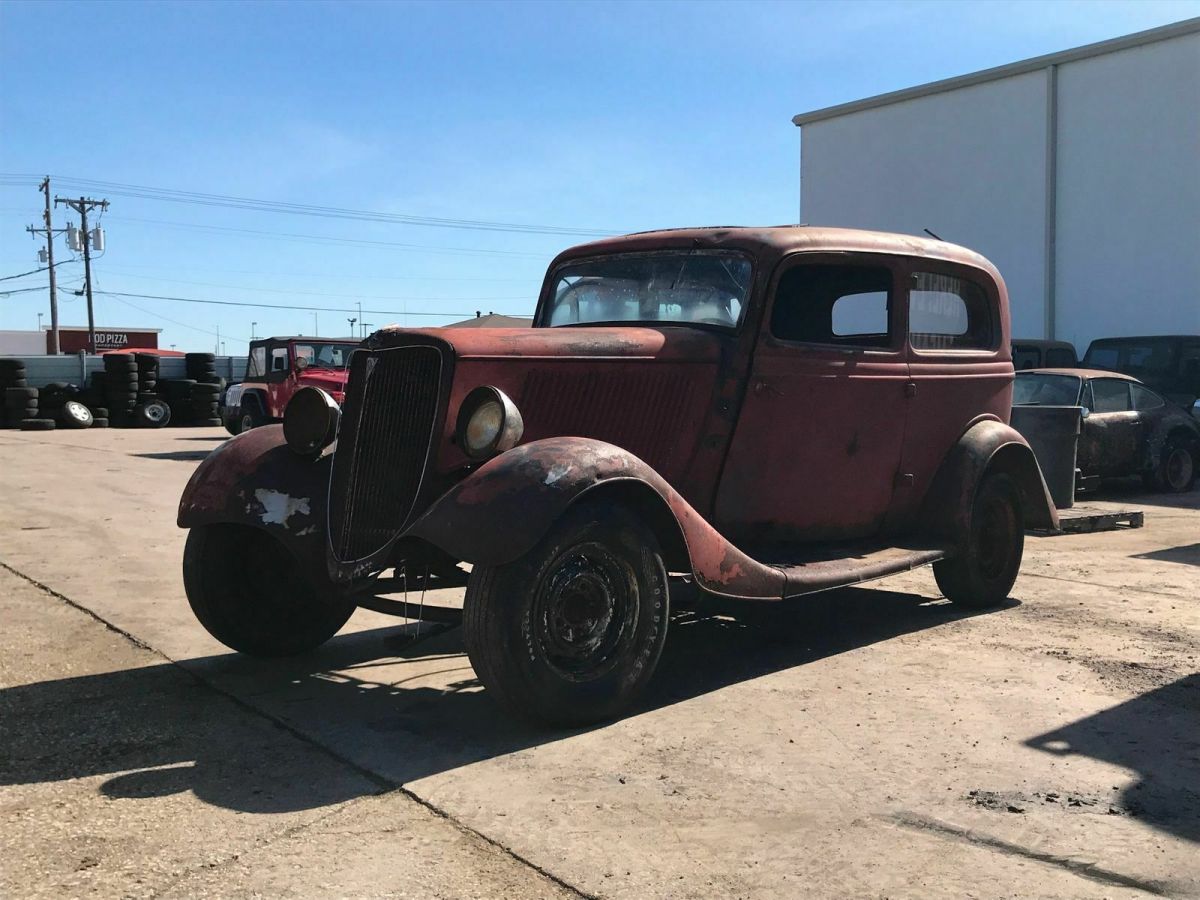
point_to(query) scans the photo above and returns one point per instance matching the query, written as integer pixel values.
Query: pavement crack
(1078, 867)
(385, 785)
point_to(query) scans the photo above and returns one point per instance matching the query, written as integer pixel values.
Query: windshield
(324, 356)
(700, 287)
(1034, 389)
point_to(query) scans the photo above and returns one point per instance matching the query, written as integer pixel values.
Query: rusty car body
(769, 412)
(1127, 429)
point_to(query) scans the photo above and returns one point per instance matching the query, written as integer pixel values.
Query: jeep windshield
(324, 356)
(1043, 389)
(679, 287)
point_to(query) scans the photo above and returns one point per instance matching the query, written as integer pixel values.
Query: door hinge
(910, 389)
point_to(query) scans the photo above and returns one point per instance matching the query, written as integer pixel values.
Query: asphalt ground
(873, 741)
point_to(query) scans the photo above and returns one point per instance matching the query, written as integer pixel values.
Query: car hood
(326, 379)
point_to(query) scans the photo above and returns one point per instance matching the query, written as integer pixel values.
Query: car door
(817, 442)
(1111, 434)
(960, 370)
(280, 369)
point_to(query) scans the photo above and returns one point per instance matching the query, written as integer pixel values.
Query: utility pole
(49, 232)
(252, 327)
(81, 206)
(352, 321)
(359, 319)
(217, 348)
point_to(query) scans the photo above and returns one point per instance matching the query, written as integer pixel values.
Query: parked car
(1168, 364)
(769, 412)
(1127, 428)
(1028, 353)
(278, 367)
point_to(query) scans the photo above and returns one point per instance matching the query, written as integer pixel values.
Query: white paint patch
(278, 507)
(557, 472)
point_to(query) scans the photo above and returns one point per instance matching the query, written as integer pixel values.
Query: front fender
(987, 446)
(500, 512)
(255, 479)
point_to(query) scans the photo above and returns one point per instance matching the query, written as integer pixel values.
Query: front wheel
(250, 593)
(1176, 470)
(984, 567)
(571, 632)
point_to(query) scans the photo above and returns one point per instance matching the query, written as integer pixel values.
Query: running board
(835, 566)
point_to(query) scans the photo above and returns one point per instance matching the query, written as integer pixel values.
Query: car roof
(1147, 337)
(781, 239)
(302, 337)
(1081, 373)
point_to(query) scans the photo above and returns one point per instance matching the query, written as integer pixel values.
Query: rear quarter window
(946, 312)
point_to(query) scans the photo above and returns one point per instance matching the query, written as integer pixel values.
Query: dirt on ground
(873, 741)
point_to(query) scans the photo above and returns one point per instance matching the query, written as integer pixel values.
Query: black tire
(250, 415)
(252, 595)
(19, 396)
(1176, 469)
(37, 424)
(571, 632)
(100, 422)
(98, 412)
(75, 415)
(232, 423)
(120, 364)
(981, 572)
(154, 414)
(214, 422)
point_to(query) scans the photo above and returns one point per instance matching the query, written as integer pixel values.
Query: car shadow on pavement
(1157, 735)
(1131, 492)
(390, 706)
(1186, 554)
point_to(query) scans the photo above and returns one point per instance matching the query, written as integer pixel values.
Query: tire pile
(127, 394)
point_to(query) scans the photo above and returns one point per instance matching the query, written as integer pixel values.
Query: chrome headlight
(310, 421)
(488, 423)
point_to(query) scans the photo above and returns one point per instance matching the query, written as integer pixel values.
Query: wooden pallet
(1086, 519)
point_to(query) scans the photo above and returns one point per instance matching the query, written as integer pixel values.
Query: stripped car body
(773, 451)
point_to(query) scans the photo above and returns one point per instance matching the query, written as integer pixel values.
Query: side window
(948, 313)
(257, 367)
(1144, 398)
(1110, 395)
(834, 304)
(279, 359)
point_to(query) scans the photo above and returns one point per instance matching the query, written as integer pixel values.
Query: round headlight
(488, 423)
(310, 421)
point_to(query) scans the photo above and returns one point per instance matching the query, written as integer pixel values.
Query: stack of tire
(206, 392)
(21, 410)
(121, 385)
(151, 411)
(12, 375)
(177, 394)
(65, 404)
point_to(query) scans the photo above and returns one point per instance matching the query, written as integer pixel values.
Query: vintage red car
(767, 412)
(276, 368)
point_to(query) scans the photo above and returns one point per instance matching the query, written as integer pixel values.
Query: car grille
(383, 445)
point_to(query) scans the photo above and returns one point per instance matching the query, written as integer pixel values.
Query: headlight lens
(310, 421)
(488, 423)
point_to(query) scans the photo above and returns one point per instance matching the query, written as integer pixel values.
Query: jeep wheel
(982, 570)
(250, 416)
(571, 632)
(249, 593)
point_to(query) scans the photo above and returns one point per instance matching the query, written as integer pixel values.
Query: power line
(377, 312)
(145, 192)
(36, 271)
(320, 238)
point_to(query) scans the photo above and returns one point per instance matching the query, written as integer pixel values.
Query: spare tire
(75, 415)
(37, 424)
(100, 422)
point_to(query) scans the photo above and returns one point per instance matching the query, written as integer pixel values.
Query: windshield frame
(1027, 374)
(546, 301)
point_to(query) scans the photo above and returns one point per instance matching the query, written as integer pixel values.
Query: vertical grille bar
(383, 445)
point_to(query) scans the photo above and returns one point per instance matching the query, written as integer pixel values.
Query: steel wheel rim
(994, 528)
(584, 614)
(247, 423)
(154, 412)
(78, 414)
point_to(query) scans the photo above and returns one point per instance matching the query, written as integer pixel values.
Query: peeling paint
(557, 473)
(278, 507)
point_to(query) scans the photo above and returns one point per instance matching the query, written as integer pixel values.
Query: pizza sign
(72, 340)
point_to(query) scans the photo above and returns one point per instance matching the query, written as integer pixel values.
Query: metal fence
(42, 370)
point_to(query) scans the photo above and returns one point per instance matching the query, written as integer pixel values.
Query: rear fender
(499, 513)
(986, 447)
(255, 479)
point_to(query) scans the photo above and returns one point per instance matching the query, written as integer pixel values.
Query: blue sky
(590, 116)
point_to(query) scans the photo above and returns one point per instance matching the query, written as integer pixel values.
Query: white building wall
(22, 343)
(969, 165)
(1128, 259)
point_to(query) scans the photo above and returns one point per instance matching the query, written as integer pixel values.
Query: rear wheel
(251, 594)
(1176, 471)
(571, 632)
(984, 567)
